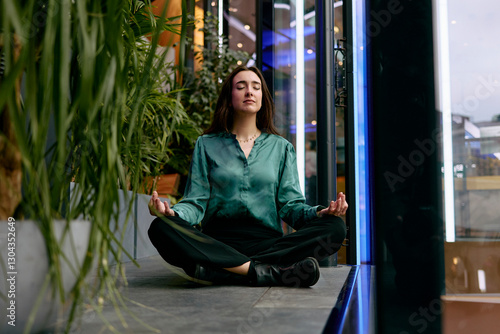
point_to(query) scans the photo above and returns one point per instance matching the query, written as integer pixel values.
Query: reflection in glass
(468, 74)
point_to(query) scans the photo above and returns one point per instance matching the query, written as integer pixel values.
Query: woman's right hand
(157, 208)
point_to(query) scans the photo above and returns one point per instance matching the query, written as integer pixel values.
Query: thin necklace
(249, 139)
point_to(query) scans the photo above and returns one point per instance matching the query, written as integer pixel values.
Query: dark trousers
(232, 244)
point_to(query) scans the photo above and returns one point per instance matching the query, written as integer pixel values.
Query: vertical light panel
(481, 280)
(360, 129)
(357, 101)
(300, 91)
(443, 103)
(220, 17)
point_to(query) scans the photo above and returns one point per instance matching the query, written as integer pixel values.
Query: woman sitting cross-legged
(242, 182)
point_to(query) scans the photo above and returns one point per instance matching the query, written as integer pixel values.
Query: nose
(249, 91)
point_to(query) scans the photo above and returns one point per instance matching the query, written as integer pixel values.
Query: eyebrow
(244, 82)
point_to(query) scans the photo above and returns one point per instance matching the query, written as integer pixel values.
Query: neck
(245, 127)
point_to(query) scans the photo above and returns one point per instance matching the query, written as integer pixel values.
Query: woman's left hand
(336, 208)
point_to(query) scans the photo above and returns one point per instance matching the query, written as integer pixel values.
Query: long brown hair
(223, 116)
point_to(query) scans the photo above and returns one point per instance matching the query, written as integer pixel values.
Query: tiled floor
(169, 303)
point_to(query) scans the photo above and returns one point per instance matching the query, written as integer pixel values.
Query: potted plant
(73, 100)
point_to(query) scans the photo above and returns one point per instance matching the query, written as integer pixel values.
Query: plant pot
(22, 280)
(167, 184)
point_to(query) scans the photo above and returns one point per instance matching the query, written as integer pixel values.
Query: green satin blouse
(224, 184)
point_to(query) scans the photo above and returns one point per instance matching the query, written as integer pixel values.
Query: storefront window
(289, 61)
(468, 82)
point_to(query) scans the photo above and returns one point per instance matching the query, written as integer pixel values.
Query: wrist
(319, 210)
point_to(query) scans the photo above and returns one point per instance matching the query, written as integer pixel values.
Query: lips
(249, 101)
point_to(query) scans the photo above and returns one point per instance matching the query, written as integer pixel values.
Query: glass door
(468, 100)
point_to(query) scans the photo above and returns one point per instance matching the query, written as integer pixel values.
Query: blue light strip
(337, 317)
(364, 298)
(308, 127)
(361, 160)
(353, 311)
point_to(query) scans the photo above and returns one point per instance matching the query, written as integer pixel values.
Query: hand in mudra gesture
(336, 208)
(159, 208)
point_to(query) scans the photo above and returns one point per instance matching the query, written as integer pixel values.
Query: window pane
(470, 99)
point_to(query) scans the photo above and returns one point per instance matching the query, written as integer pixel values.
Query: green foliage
(164, 121)
(92, 111)
(163, 118)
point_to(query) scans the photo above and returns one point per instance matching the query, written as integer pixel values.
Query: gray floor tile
(165, 300)
(322, 295)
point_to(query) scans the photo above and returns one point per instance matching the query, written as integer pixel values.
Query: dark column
(349, 128)
(406, 174)
(325, 76)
